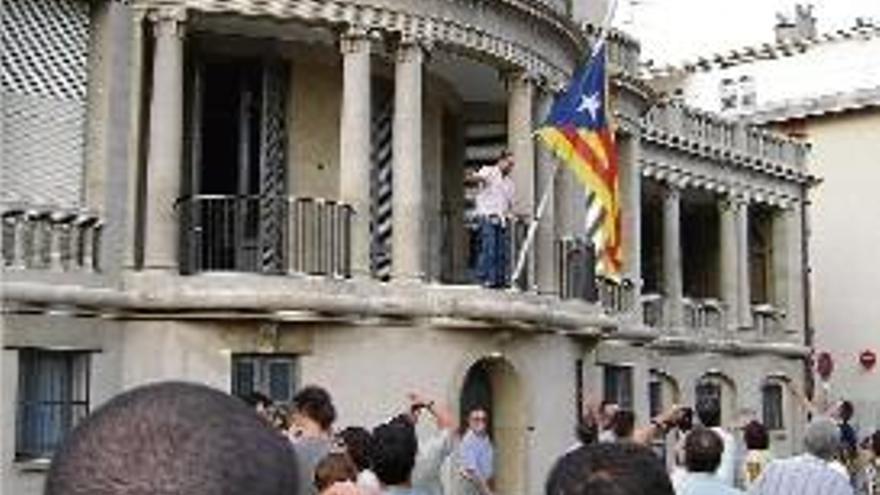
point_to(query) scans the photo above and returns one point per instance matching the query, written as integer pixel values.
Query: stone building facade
(260, 195)
(824, 87)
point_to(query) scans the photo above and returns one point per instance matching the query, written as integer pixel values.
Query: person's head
(505, 162)
(822, 438)
(844, 411)
(755, 436)
(708, 410)
(335, 467)
(173, 438)
(478, 420)
(394, 452)
(609, 469)
(359, 445)
(622, 423)
(702, 450)
(606, 413)
(313, 408)
(874, 443)
(260, 402)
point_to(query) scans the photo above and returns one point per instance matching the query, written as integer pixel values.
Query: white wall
(825, 69)
(845, 238)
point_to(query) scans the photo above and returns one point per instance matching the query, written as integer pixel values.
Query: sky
(672, 31)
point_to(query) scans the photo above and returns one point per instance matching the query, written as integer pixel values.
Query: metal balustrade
(703, 314)
(265, 235)
(577, 269)
(48, 238)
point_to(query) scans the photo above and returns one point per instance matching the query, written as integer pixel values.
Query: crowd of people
(181, 438)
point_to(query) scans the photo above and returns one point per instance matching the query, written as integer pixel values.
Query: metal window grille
(44, 74)
(53, 396)
(273, 375)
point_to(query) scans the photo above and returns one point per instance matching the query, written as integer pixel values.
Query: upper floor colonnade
(531, 58)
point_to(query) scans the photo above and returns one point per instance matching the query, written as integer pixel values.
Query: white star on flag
(590, 104)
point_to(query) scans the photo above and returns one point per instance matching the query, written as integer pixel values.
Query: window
(761, 255)
(53, 396)
(273, 375)
(748, 98)
(728, 94)
(709, 390)
(618, 382)
(771, 395)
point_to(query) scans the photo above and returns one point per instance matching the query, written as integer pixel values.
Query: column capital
(410, 49)
(168, 21)
(520, 78)
(355, 39)
(672, 189)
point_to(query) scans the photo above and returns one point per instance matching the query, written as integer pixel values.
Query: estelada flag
(579, 133)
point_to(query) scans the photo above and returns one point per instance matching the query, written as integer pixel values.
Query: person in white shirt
(708, 412)
(494, 202)
(810, 473)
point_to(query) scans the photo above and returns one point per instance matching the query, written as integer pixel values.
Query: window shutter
(44, 75)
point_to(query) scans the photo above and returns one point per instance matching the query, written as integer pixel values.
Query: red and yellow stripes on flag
(591, 156)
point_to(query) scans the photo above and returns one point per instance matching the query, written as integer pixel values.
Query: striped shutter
(380, 192)
(273, 199)
(44, 80)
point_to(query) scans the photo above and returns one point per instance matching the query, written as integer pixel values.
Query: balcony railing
(47, 238)
(652, 310)
(577, 269)
(616, 297)
(767, 319)
(703, 314)
(265, 235)
(706, 131)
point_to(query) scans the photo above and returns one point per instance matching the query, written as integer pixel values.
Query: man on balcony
(493, 205)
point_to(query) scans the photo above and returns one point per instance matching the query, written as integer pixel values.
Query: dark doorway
(234, 213)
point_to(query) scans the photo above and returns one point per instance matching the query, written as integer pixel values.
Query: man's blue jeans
(492, 260)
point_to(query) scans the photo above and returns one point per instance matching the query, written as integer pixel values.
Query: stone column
(407, 201)
(673, 287)
(165, 141)
(545, 242)
(742, 255)
(788, 265)
(631, 216)
(729, 262)
(354, 149)
(520, 142)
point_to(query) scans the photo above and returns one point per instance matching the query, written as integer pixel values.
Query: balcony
(703, 315)
(702, 132)
(50, 239)
(767, 320)
(259, 234)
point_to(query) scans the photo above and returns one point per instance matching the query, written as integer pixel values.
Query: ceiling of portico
(474, 81)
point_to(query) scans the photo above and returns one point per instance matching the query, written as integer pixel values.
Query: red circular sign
(824, 365)
(867, 359)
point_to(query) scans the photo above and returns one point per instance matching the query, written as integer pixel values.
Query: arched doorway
(494, 385)
(719, 387)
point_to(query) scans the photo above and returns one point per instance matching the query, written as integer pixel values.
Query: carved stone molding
(167, 21)
(528, 50)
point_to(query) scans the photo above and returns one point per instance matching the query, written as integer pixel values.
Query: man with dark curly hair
(609, 469)
(173, 438)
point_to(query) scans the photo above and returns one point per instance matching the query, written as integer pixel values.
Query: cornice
(460, 34)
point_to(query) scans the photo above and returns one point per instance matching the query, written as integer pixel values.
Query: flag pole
(545, 194)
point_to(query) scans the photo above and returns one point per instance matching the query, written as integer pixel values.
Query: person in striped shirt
(809, 473)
